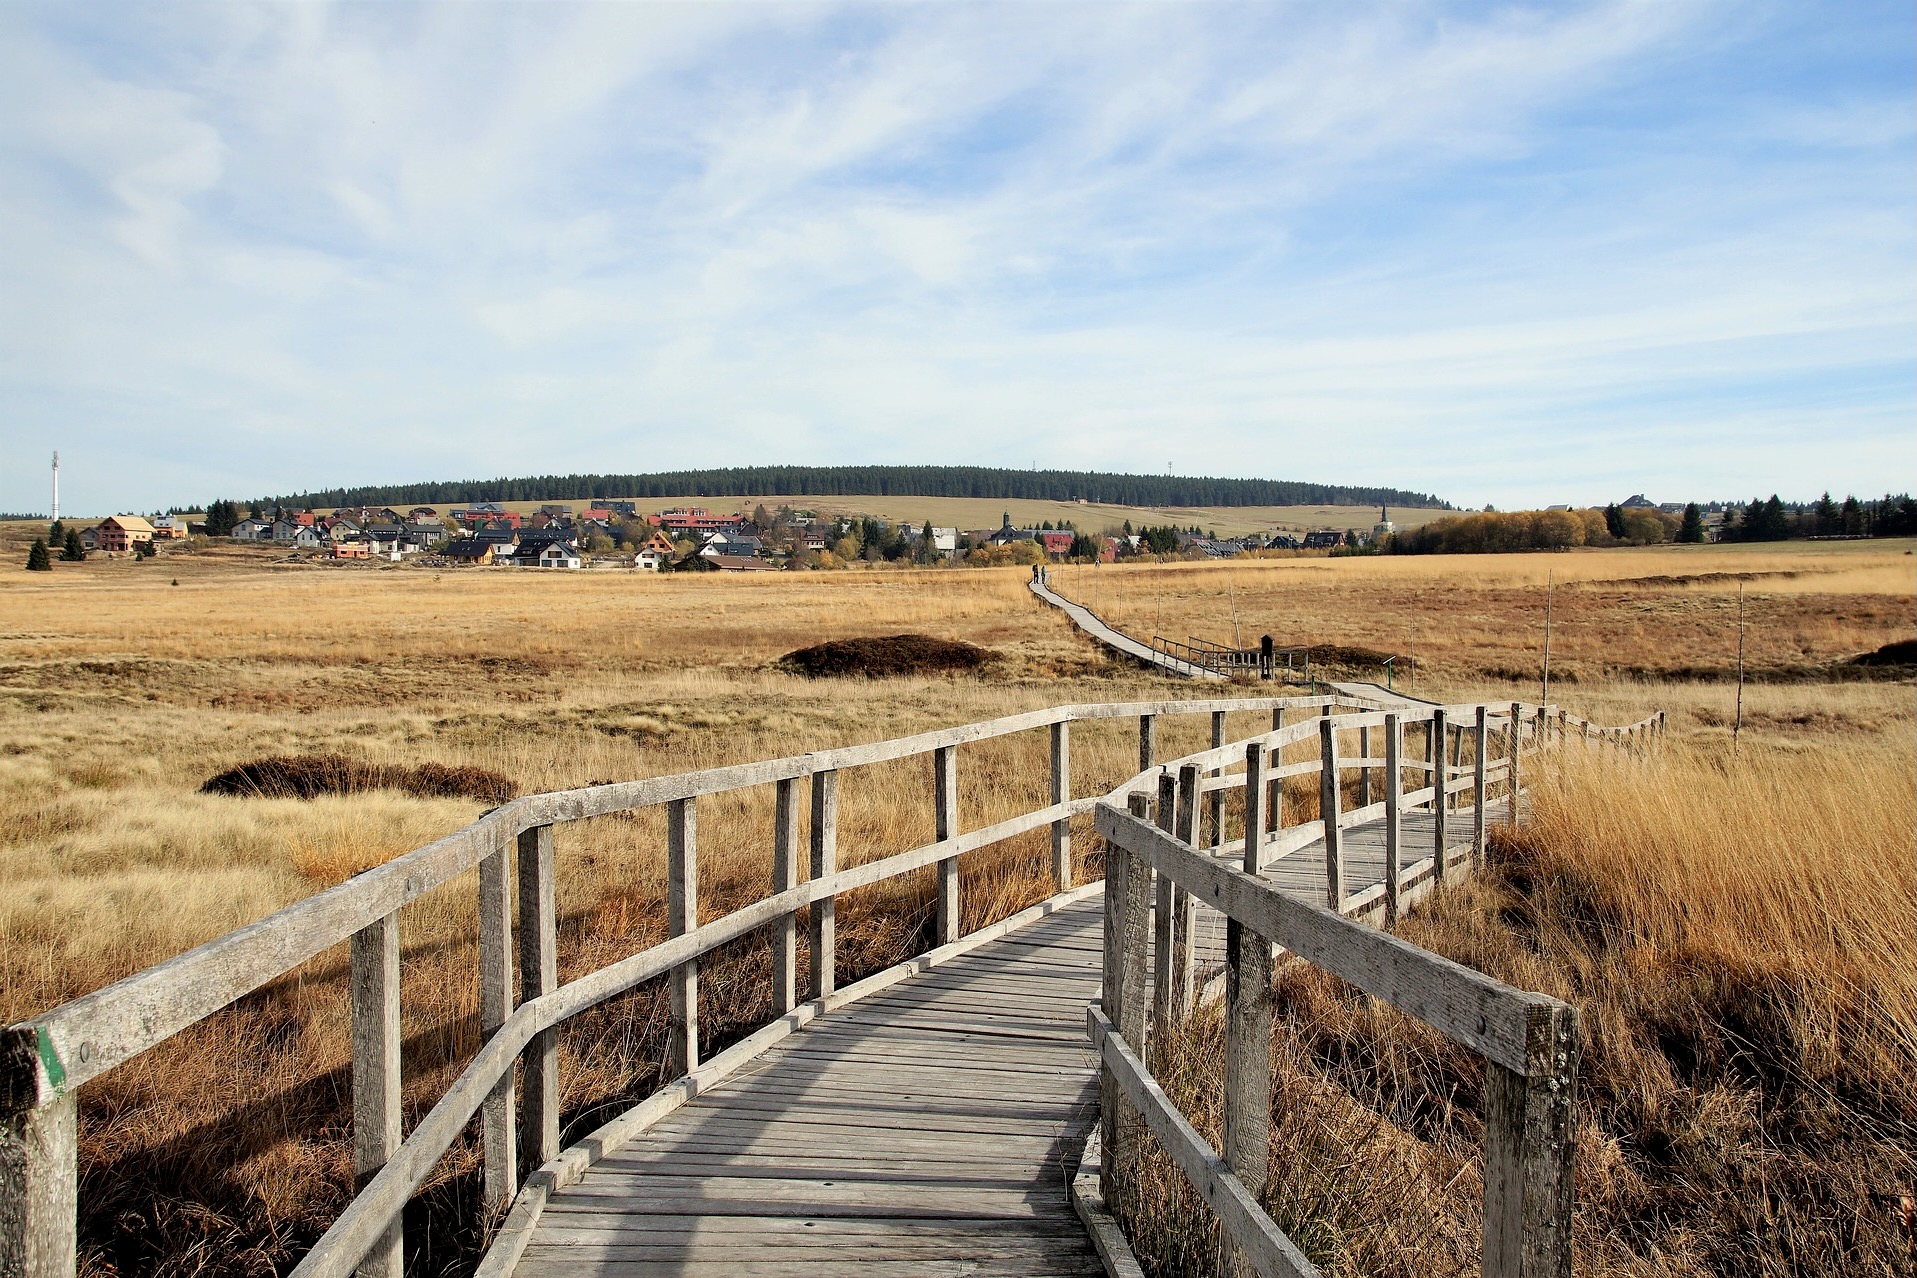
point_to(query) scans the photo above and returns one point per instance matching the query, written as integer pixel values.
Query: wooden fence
(1154, 873)
(45, 1060)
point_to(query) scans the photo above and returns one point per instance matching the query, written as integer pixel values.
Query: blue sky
(1511, 254)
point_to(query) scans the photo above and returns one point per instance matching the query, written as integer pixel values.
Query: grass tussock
(308, 776)
(1737, 936)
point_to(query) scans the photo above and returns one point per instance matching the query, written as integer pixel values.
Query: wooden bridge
(931, 1118)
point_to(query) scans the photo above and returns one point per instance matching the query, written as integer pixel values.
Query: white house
(651, 560)
(725, 543)
(548, 554)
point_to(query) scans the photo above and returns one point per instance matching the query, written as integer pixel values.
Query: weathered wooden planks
(925, 1129)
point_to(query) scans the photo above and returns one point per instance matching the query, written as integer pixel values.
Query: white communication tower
(56, 487)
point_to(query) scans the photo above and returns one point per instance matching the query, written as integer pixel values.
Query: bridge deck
(922, 1130)
(926, 1129)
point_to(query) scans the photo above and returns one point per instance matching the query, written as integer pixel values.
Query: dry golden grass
(1737, 933)
(1657, 612)
(120, 693)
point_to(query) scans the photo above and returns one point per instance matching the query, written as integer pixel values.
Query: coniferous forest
(884, 481)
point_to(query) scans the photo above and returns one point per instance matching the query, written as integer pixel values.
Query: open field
(1654, 612)
(121, 692)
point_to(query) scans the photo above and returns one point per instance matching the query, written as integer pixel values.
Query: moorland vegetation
(1751, 1043)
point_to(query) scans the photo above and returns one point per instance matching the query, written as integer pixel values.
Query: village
(613, 534)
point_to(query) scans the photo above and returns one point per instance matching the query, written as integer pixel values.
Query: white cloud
(1489, 254)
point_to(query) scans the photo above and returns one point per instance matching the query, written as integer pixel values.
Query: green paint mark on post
(50, 1061)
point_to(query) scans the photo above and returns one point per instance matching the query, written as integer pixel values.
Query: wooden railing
(45, 1060)
(1155, 873)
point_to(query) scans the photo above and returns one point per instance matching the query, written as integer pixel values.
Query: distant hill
(839, 481)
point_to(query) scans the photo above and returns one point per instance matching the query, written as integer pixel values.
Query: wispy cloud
(1526, 254)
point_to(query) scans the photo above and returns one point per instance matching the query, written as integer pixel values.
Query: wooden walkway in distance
(1117, 640)
(928, 1129)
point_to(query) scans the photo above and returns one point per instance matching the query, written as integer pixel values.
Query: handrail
(1155, 870)
(46, 1058)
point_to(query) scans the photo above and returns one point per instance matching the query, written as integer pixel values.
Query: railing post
(682, 916)
(39, 1168)
(1125, 990)
(1248, 1030)
(1511, 781)
(1215, 801)
(1477, 788)
(825, 860)
(1364, 769)
(1275, 787)
(945, 821)
(1163, 913)
(1441, 779)
(1328, 807)
(785, 877)
(1111, 996)
(1062, 793)
(1456, 736)
(538, 974)
(1393, 793)
(1147, 741)
(376, 1076)
(1185, 906)
(1529, 1135)
(497, 1120)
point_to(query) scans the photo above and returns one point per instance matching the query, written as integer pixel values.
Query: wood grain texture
(39, 1190)
(682, 916)
(882, 1140)
(824, 836)
(377, 1085)
(785, 877)
(538, 974)
(1061, 794)
(498, 1121)
(1247, 1036)
(1330, 795)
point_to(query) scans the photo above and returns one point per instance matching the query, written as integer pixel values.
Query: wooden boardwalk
(1117, 640)
(927, 1129)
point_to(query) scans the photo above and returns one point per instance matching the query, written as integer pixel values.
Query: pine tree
(37, 558)
(1692, 529)
(1614, 520)
(73, 550)
(56, 533)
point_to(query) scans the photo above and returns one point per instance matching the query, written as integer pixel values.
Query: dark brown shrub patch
(878, 658)
(307, 776)
(1901, 653)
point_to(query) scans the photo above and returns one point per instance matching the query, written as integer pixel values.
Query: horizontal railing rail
(48, 1057)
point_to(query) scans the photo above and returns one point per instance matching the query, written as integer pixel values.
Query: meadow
(122, 691)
